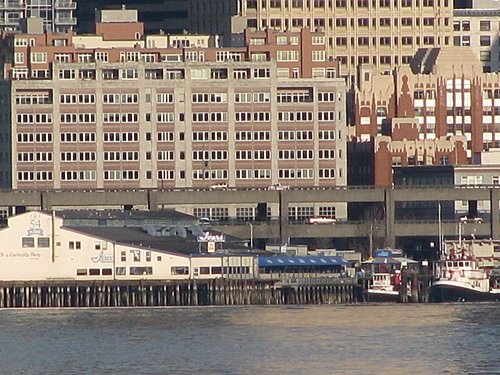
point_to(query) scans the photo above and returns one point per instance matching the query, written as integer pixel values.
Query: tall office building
(57, 15)
(120, 109)
(384, 33)
(169, 16)
(479, 29)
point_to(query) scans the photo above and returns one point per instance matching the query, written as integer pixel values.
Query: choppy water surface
(347, 339)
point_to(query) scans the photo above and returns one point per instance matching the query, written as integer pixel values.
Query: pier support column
(495, 214)
(390, 213)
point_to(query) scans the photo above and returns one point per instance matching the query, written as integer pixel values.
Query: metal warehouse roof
(297, 261)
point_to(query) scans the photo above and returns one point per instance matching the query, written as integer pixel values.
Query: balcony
(65, 4)
(65, 21)
(9, 21)
(11, 5)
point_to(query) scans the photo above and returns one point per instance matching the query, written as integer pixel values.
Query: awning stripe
(317, 261)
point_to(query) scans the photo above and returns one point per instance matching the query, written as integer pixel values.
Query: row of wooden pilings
(168, 293)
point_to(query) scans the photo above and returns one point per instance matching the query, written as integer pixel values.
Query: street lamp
(251, 233)
(464, 220)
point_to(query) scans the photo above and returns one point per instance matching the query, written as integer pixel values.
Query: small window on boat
(460, 264)
(455, 264)
(467, 264)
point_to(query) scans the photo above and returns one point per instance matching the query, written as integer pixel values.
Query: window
(406, 21)
(484, 25)
(163, 98)
(101, 56)
(363, 41)
(67, 73)
(179, 270)
(406, 40)
(341, 22)
(385, 41)
(38, 57)
(428, 21)
(428, 40)
(74, 245)
(485, 40)
(28, 242)
(19, 58)
(363, 22)
(107, 272)
(141, 270)
(485, 55)
(129, 73)
(94, 272)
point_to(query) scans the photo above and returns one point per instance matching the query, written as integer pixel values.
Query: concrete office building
(124, 110)
(57, 15)
(384, 33)
(479, 29)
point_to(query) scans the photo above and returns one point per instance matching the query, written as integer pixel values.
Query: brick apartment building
(120, 109)
(437, 111)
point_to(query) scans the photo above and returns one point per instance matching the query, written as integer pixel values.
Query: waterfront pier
(216, 292)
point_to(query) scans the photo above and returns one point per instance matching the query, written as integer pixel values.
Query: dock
(217, 292)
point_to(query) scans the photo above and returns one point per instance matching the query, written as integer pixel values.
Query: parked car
(220, 186)
(321, 220)
(204, 220)
(278, 186)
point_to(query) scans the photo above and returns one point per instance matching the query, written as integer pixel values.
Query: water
(335, 339)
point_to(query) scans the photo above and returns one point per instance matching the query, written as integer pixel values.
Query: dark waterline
(335, 339)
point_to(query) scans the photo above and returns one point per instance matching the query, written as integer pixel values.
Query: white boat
(384, 287)
(384, 275)
(460, 278)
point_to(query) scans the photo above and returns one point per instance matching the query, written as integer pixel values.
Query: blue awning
(300, 261)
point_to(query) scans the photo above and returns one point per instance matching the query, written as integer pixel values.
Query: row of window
(300, 4)
(109, 175)
(197, 174)
(133, 74)
(90, 156)
(322, 22)
(298, 213)
(375, 59)
(29, 242)
(168, 117)
(166, 98)
(247, 135)
(386, 41)
(484, 25)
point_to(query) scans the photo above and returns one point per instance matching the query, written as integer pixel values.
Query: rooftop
(188, 245)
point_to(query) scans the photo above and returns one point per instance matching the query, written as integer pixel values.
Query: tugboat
(384, 273)
(460, 278)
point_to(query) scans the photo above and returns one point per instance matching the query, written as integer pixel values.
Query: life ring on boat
(451, 275)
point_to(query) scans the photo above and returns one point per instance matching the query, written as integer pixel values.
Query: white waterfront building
(38, 246)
